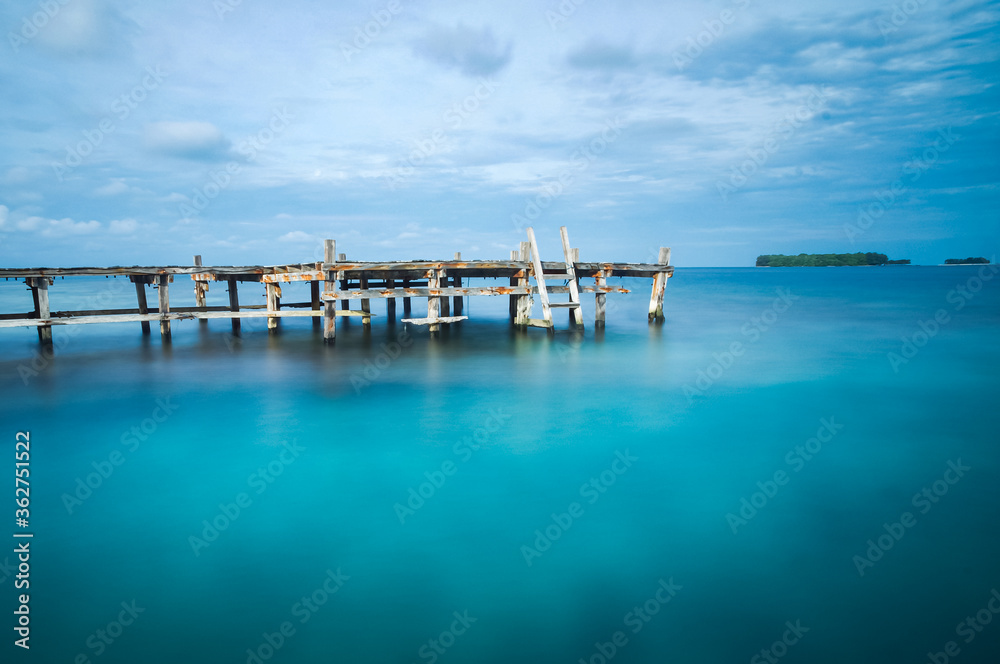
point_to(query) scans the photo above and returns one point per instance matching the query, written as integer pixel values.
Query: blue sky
(247, 131)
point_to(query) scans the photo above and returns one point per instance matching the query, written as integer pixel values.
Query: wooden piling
(659, 286)
(140, 296)
(40, 296)
(406, 300)
(234, 304)
(272, 306)
(314, 300)
(600, 299)
(445, 302)
(434, 302)
(512, 305)
(344, 284)
(163, 286)
(366, 304)
(200, 289)
(456, 281)
(523, 301)
(390, 303)
(330, 311)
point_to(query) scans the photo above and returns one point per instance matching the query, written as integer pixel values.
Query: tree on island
(822, 260)
(967, 261)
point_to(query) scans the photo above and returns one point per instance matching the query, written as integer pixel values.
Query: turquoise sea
(800, 465)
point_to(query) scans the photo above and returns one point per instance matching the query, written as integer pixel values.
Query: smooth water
(616, 465)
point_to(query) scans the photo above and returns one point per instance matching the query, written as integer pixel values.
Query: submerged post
(433, 301)
(524, 301)
(457, 283)
(330, 311)
(272, 306)
(163, 287)
(314, 296)
(600, 299)
(406, 300)
(40, 295)
(659, 286)
(200, 288)
(140, 296)
(234, 304)
(512, 305)
(390, 303)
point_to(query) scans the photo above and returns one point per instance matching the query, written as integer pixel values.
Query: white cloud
(122, 226)
(57, 228)
(3, 215)
(192, 139)
(297, 236)
(113, 188)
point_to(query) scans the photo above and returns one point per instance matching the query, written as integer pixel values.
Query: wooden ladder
(576, 317)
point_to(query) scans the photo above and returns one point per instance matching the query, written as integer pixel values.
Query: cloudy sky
(247, 131)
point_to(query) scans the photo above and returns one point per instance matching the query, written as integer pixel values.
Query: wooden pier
(444, 284)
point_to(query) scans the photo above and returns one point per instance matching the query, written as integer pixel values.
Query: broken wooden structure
(441, 283)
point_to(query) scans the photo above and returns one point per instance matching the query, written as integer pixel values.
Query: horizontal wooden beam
(436, 320)
(173, 315)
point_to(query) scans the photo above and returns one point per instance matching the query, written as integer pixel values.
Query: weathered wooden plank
(571, 256)
(40, 295)
(539, 272)
(524, 301)
(272, 306)
(435, 321)
(434, 304)
(200, 285)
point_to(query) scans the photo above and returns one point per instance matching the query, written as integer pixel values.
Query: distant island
(967, 261)
(827, 260)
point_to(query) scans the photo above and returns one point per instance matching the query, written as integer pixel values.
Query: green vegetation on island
(826, 260)
(967, 261)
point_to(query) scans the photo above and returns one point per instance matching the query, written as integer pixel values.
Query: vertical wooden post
(140, 295)
(40, 295)
(434, 302)
(163, 286)
(200, 288)
(390, 303)
(524, 301)
(600, 299)
(445, 305)
(512, 306)
(330, 311)
(272, 306)
(457, 283)
(575, 313)
(234, 304)
(314, 296)
(366, 304)
(406, 300)
(344, 284)
(659, 285)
